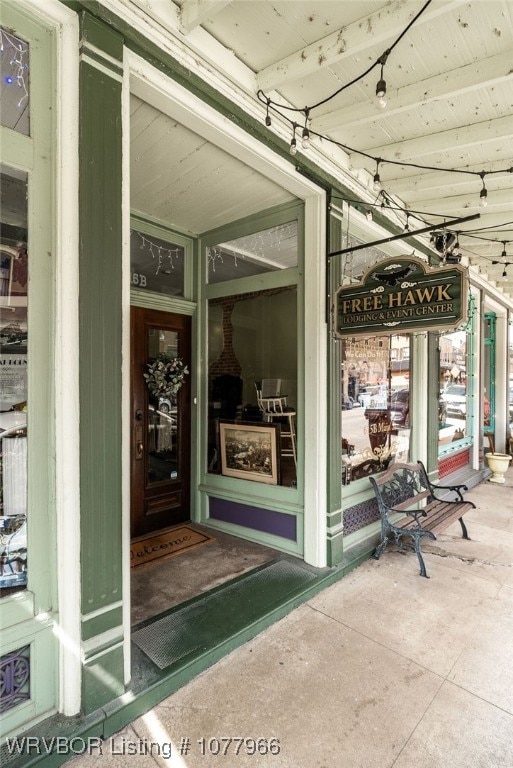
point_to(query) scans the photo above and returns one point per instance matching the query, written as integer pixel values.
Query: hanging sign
(401, 295)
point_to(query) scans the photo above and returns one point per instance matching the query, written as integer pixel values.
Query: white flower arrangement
(165, 375)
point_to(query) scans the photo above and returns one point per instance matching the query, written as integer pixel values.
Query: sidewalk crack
(439, 552)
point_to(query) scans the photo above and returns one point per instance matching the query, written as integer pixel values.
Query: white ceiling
(449, 106)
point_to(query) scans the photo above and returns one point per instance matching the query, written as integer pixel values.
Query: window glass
(376, 408)
(265, 251)
(156, 265)
(453, 412)
(14, 70)
(252, 380)
(13, 380)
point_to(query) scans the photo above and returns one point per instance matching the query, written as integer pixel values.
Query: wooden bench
(410, 506)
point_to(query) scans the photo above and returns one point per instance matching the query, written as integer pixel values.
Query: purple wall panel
(256, 518)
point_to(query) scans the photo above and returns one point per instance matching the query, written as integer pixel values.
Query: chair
(274, 407)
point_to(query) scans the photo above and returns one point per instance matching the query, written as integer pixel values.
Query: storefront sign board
(402, 295)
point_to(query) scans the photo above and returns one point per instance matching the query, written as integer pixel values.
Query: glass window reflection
(13, 381)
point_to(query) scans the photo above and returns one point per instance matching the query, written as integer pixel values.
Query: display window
(454, 413)
(13, 381)
(376, 405)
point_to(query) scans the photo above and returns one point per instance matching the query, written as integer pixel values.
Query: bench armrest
(454, 488)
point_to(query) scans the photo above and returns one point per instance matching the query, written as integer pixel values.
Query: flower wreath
(165, 375)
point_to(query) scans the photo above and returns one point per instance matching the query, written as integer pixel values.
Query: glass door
(161, 415)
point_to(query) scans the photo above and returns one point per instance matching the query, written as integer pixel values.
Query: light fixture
(483, 195)
(293, 142)
(407, 224)
(267, 115)
(381, 86)
(376, 182)
(505, 274)
(504, 255)
(305, 136)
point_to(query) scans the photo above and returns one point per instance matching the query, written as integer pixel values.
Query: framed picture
(250, 451)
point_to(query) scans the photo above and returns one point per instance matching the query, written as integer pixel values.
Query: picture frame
(250, 450)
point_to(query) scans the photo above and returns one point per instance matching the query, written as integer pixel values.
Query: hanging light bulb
(293, 142)
(376, 182)
(505, 274)
(381, 86)
(483, 195)
(305, 136)
(267, 115)
(381, 91)
(504, 255)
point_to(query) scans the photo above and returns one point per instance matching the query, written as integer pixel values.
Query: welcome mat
(148, 549)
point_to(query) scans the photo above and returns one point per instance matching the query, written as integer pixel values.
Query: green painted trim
(149, 300)
(103, 622)
(334, 489)
(334, 518)
(104, 38)
(100, 315)
(102, 679)
(335, 547)
(150, 226)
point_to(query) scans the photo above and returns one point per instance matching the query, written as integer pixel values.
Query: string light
(281, 109)
(159, 253)
(305, 138)
(267, 115)
(381, 86)
(293, 142)
(376, 182)
(483, 195)
(18, 62)
(503, 259)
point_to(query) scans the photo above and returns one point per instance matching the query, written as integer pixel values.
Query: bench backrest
(402, 486)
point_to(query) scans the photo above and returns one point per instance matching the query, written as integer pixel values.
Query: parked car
(400, 408)
(12, 422)
(455, 397)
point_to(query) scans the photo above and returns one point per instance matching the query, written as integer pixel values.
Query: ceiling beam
(440, 143)
(194, 12)
(479, 74)
(417, 183)
(382, 26)
(468, 202)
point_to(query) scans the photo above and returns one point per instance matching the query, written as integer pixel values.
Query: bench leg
(379, 549)
(464, 529)
(416, 546)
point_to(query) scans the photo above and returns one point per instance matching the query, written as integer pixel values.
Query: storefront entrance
(160, 423)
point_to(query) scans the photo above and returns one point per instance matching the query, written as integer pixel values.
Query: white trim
(125, 371)
(96, 64)
(67, 359)
(67, 460)
(86, 45)
(172, 99)
(315, 395)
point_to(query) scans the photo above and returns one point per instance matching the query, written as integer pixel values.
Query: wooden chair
(275, 408)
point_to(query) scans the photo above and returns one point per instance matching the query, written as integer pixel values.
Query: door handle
(139, 444)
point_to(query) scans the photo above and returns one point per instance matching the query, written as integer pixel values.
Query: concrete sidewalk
(384, 668)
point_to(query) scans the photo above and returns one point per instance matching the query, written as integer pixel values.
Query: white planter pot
(498, 464)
